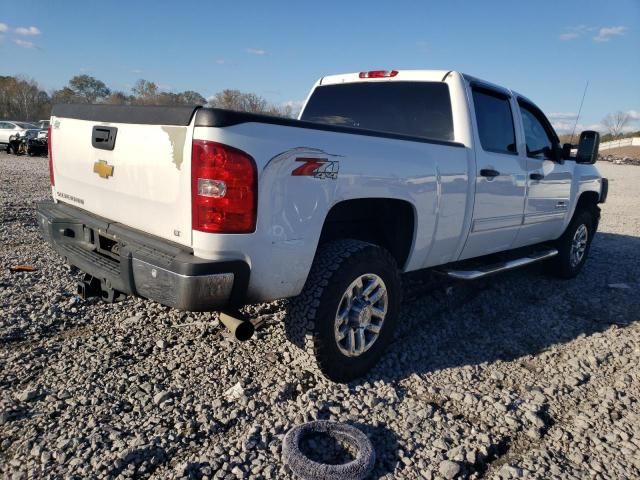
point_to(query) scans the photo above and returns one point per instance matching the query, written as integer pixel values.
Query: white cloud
(602, 34)
(24, 43)
(295, 105)
(257, 51)
(223, 62)
(576, 31)
(563, 123)
(569, 35)
(562, 126)
(3, 27)
(606, 33)
(562, 116)
(566, 127)
(28, 30)
(136, 70)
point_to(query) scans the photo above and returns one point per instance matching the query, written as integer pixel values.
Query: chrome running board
(499, 267)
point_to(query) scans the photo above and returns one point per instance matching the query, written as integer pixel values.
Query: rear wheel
(348, 309)
(574, 244)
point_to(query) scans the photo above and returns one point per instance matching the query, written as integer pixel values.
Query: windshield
(26, 125)
(418, 109)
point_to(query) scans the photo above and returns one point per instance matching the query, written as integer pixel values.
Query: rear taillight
(51, 176)
(224, 189)
(378, 74)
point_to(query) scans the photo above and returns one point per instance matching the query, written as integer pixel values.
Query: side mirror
(556, 153)
(566, 150)
(588, 147)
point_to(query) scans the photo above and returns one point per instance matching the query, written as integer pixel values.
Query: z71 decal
(317, 168)
(308, 162)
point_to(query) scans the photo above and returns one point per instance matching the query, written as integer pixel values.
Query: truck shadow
(509, 315)
(516, 314)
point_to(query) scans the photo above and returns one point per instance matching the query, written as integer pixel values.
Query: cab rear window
(417, 109)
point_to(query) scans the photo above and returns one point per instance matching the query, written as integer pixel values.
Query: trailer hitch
(91, 286)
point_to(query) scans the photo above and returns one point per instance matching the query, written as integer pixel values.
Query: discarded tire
(308, 469)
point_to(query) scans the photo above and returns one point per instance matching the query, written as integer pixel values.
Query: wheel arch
(588, 200)
(387, 222)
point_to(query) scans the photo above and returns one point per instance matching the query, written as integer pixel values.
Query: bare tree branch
(616, 122)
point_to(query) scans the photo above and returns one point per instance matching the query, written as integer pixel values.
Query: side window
(4, 125)
(495, 121)
(539, 142)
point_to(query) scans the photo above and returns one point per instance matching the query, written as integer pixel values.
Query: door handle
(104, 138)
(488, 172)
(536, 176)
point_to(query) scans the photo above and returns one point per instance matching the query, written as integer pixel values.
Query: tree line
(24, 99)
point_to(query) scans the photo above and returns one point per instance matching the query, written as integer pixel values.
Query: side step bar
(499, 267)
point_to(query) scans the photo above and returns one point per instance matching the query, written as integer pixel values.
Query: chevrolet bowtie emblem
(102, 168)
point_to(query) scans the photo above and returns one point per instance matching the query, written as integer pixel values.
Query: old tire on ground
(308, 469)
(347, 311)
(574, 244)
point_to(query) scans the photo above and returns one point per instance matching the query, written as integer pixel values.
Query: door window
(495, 121)
(539, 141)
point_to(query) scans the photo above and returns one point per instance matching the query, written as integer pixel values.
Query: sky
(545, 50)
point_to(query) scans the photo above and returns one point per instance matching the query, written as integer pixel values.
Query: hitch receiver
(88, 287)
(93, 287)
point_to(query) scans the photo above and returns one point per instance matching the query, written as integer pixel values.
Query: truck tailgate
(127, 164)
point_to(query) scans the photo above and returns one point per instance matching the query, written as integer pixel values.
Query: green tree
(22, 99)
(64, 95)
(88, 88)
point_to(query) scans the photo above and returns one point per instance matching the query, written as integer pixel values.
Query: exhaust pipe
(239, 326)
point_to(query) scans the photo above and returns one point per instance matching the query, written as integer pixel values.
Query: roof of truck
(393, 75)
(405, 75)
(415, 76)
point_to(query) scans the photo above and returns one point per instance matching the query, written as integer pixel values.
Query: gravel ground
(518, 376)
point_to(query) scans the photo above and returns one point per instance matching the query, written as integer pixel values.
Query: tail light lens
(51, 177)
(224, 189)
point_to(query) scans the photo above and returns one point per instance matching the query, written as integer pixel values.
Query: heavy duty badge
(102, 168)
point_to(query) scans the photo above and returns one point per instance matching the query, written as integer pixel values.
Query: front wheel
(574, 244)
(348, 308)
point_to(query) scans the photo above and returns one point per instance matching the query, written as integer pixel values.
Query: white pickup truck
(384, 172)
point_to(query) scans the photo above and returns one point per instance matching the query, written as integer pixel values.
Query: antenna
(579, 111)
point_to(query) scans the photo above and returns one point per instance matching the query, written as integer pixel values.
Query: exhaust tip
(244, 331)
(241, 328)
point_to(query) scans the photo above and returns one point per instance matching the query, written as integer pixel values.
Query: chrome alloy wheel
(360, 315)
(578, 245)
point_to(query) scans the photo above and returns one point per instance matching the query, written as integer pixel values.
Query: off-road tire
(312, 313)
(560, 265)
